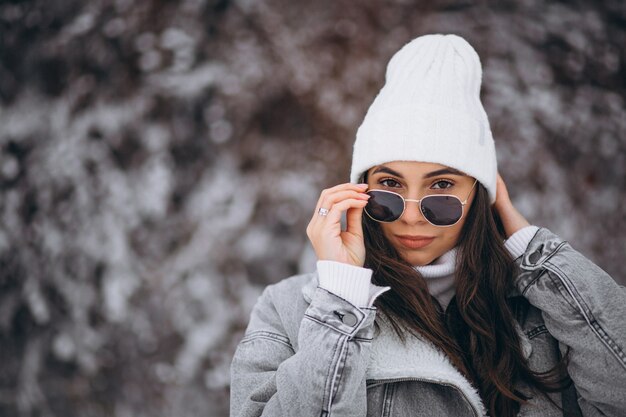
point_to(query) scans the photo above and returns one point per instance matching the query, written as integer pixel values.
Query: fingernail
(362, 185)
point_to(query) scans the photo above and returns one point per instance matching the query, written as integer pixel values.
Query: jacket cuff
(334, 312)
(352, 283)
(518, 241)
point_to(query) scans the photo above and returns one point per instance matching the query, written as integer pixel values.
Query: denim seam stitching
(260, 334)
(332, 294)
(362, 339)
(387, 398)
(541, 261)
(343, 362)
(606, 340)
(342, 352)
(327, 325)
(532, 281)
(330, 367)
(384, 410)
(541, 329)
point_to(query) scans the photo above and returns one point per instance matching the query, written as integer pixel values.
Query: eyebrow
(442, 171)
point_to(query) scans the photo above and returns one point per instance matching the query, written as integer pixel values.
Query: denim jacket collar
(415, 359)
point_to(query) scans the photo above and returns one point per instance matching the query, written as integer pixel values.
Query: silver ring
(323, 211)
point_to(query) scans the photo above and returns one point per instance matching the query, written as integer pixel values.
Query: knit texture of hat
(429, 110)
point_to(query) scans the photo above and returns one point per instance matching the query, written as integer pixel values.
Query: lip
(414, 242)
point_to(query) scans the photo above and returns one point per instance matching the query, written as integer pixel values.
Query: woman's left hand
(511, 219)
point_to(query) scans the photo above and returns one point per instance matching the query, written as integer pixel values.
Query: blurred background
(160, 160)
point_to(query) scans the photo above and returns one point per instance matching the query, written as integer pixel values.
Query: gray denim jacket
(308, 352)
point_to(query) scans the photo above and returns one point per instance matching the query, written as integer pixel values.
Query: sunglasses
(438, 209)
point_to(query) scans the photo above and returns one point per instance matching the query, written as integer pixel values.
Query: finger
(341, 187)
(334, 198)
(334, 216)
(354, 220)
(502, 194)
(330, 200)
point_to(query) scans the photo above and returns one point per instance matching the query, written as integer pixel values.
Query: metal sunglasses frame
(404, 200)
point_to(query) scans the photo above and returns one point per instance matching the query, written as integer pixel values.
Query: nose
(412, 213)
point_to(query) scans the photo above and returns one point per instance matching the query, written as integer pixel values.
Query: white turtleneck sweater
(353, 283)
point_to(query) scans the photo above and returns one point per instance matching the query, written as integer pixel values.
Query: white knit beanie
(429, 110)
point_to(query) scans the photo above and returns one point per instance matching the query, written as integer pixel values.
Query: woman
(419, 307)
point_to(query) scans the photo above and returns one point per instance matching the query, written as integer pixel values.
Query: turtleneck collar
(440, 267)
(439, 276)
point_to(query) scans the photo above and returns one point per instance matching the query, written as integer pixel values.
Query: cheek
(454, 232)
(386, 228)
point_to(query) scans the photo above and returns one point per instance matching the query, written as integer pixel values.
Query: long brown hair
(477, 330)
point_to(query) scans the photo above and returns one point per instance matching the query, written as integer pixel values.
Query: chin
(416, 259)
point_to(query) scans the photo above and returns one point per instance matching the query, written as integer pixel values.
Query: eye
(389, 182)
(442, 184)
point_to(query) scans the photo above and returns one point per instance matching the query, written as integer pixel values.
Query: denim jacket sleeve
(323, 376)
(585, 309)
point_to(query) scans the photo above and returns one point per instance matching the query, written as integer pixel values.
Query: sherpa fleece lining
(416, 358)
(391, 359)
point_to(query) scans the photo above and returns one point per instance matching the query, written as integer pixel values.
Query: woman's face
(414, 180)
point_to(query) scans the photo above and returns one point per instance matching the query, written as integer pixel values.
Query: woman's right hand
(329, 241)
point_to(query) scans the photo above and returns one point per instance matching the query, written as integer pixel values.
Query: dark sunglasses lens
(384, 207)
(442, 210)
